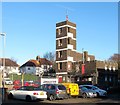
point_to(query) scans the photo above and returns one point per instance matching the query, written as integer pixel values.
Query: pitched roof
(8, 62)
(32, 62)
(44, 61)
(36, 63)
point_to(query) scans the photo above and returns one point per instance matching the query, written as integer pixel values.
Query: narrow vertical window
(60, 54)
(60, 65)
(68, 29)
(59, 31)
(68, 40)
(60, 42)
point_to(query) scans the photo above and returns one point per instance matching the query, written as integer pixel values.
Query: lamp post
(3, 84)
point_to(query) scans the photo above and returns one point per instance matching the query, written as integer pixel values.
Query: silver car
(55, 91)
(85, 93)
(100, 92)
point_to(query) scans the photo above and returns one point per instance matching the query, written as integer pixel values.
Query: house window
(68, 29)
(60, 42)
(45, 67)
(60, 54)
(59, 31)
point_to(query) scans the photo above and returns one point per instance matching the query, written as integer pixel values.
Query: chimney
(38, 58)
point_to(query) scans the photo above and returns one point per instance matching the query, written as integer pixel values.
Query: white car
(100, 92)
(7, 81)
(28, 93)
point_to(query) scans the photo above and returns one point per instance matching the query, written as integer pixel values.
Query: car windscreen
(7, 80)
(39, 88)
(61, 87)
(88, 87)
(83, 88)
(94, 88)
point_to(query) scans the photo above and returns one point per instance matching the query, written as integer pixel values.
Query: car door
(18, 93)
(23, 93)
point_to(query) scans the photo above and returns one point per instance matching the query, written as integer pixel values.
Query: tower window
(60, 54)
(68, 40)
(60, 42)
(68, 29)
(59, 31)
(60, 65)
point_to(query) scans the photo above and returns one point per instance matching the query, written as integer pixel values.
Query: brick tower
(65, 47)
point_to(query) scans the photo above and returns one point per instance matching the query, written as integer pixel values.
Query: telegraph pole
(3, 71)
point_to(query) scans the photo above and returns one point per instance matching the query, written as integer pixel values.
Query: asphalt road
(73, 101)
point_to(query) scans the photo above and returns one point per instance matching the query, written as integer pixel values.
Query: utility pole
(3, 71)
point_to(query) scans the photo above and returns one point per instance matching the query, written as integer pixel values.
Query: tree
(13, 59)
(115, 57)
(51, 57)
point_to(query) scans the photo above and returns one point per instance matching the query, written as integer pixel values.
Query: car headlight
(90, 93)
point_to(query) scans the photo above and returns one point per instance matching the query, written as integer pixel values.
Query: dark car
(55, 91)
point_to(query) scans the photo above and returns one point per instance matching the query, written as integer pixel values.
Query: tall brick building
(69, 62)
(66, 53)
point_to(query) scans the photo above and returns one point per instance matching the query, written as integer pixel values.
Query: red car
(17, 84)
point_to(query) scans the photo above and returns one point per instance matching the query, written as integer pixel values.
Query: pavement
(112, 98)
(0, 99)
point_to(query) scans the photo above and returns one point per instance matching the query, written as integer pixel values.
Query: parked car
(85, 93)
(8, 81)
(17, 86)
(72, 89)
(55, 91)
(100, 92)
(28, 93)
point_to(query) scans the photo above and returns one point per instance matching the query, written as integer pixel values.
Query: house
(10, 66)
(37, 67)
(45, 64)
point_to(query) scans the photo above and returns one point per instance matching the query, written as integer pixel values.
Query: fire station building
(75, 66)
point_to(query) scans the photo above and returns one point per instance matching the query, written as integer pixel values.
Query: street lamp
(3, 34)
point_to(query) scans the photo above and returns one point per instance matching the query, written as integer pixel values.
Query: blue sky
(31, 28)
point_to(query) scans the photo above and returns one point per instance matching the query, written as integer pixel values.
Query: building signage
(49, 81)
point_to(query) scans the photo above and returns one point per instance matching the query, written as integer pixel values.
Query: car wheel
(98, 94)
(10, 96)
(84, 95)
(69, 96)
(28, 98)
(52, 97)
